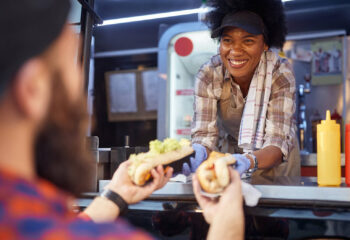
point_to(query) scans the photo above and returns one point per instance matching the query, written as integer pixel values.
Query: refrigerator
(183, 49)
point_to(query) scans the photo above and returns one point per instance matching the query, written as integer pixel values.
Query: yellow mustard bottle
(328, 152)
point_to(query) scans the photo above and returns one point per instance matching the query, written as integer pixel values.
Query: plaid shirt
(38, 211)
(280, 124)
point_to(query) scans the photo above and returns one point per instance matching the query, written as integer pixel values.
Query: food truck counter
(297, 206)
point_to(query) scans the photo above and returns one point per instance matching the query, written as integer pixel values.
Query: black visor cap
(246, 20)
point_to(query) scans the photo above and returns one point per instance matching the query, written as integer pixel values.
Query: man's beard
(60, 153)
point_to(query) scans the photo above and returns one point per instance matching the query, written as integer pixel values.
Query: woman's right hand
(199, 157)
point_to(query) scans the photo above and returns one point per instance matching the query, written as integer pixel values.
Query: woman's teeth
(235, 62)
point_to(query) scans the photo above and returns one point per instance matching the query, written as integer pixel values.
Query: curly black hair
(271, 12)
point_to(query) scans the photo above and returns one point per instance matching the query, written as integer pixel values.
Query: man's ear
(31, 89)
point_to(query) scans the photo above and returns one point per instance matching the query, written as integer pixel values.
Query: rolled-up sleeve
(280, 123)
(204, 128)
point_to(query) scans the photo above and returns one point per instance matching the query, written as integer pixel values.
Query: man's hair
(28, 29)
(271, 12)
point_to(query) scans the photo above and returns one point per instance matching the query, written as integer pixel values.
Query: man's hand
(231, 198)
(225, 215)
(131, 193)
(104, 210)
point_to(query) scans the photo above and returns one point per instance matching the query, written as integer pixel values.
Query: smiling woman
(240, 52)
(245, 95)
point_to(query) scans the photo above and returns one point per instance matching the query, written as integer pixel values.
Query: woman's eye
(226, 40)
(249, 41)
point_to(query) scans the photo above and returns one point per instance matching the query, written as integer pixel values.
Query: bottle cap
(328, 119)
(335, 115)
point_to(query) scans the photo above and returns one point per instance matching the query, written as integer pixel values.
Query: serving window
(132, 95)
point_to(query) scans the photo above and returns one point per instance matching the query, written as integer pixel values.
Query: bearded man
(43, 162)
(43, 121)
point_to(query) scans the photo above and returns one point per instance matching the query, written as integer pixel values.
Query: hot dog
(160, 153)
(213, 174)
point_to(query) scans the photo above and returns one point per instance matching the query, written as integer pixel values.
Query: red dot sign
(183, 46)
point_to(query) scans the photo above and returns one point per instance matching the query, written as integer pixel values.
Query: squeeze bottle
(328, 152)
(347, 154)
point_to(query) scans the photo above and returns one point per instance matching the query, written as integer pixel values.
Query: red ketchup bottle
(347, 154)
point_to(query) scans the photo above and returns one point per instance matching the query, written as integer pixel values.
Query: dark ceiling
(125, 8)
(302, 16)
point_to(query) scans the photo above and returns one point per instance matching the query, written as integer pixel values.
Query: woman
(245, 95)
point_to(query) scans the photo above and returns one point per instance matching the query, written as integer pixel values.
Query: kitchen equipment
(183, 48)
(328, 152)
(315, 119)
(101, 160)
(302, 124)
(121, 154)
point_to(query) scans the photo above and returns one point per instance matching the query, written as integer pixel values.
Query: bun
(143, 163)
(213, 173)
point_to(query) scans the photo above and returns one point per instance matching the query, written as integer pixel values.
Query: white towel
(181, 178)
(251, 133)
(251, 195)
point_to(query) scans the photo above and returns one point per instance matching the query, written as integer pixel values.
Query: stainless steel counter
(295, 201)
(279, 188)
(287, 196)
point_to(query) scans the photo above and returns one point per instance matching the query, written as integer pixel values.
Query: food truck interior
(140, 88)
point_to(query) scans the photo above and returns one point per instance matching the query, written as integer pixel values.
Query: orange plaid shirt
(38, 210)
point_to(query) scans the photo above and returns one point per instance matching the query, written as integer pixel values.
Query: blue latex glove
(199, 157)
(243, 163)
